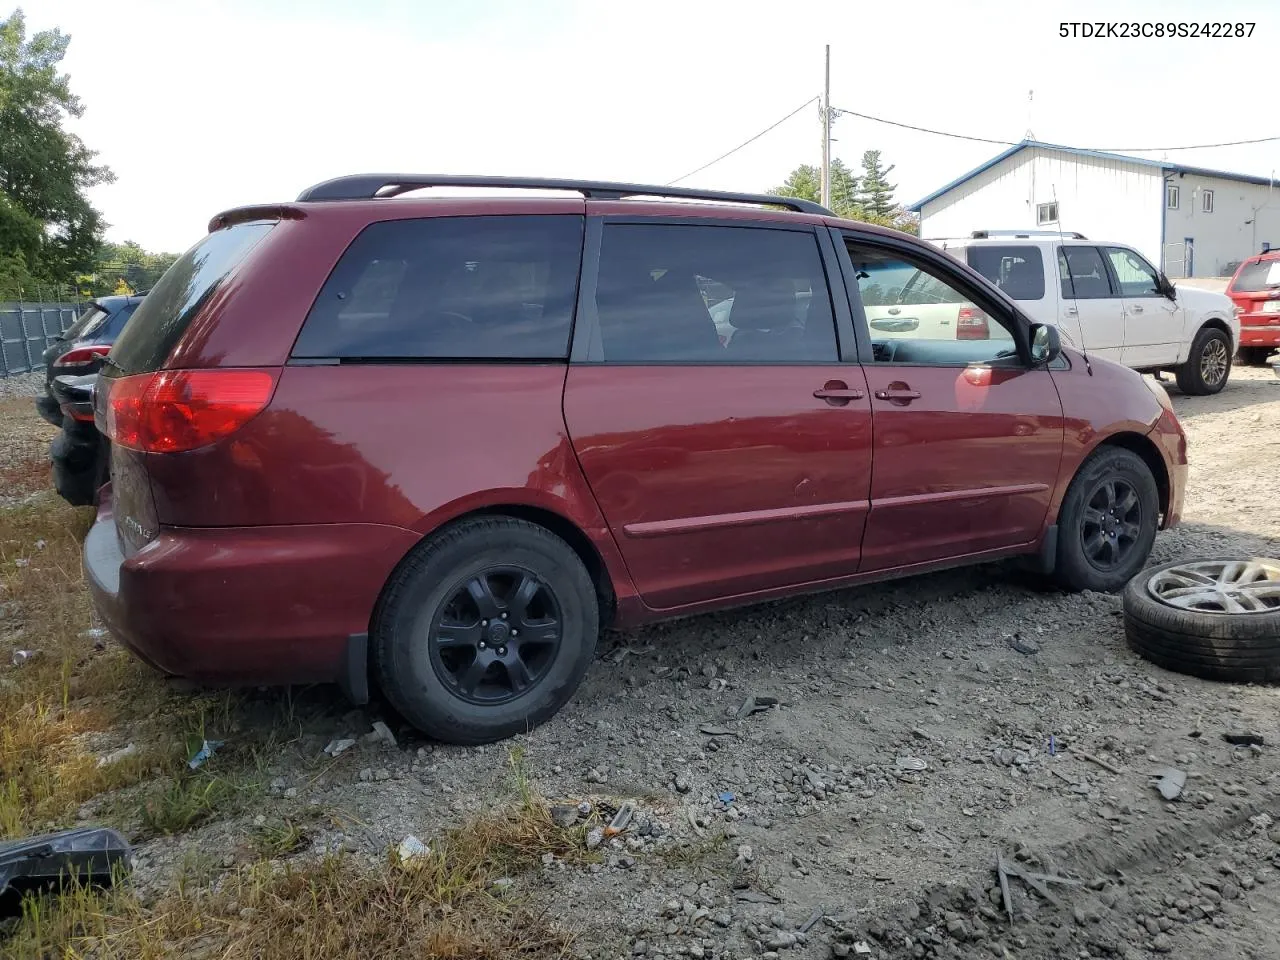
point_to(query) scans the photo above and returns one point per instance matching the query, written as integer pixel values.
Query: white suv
(1106, 299)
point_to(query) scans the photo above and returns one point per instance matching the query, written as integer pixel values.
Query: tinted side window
(162, 318)
(1084, 275)
(451, 288)
(712, 294)
(1137, 277)
(1018, 271)
(916, 315)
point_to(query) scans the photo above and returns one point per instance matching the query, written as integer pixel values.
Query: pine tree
(875, 192)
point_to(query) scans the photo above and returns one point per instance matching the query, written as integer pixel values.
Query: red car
(436, 444)
(1255, 290)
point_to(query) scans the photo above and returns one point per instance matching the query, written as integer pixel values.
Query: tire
(1085, 516)
(1254, 356)
(1210, 350)
(1242, 647)
(432, 597)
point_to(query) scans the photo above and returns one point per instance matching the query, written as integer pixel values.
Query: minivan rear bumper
(269, 605)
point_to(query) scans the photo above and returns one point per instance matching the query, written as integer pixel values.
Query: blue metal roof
(1096, 154)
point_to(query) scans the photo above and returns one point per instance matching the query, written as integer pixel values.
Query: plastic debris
(412, 852)
(93, 855)
(564, 816)
(621, 820)
(1244, 739)
(1053, 746)
(341, 746)
(1169, 782)
(384, 733)
(115, 756)
(22, 656)
(912, 764)
(756, 705)
(862, 949)
(726, 797)
(207, 750)
(21, 562)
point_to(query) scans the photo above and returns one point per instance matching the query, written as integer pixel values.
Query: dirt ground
(920, 728)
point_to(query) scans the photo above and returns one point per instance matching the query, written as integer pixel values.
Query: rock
(640, 947)
(916, 826)
(564, 816)
(383, 733)
(115, 756)
(366, 775)
(337, 747)
(595, 837)
(1024, 646)
(782, 940)
(682, 784)
(382, 773)
(841, 950)
(1162, 944)
(958, 929)
(1230, 890)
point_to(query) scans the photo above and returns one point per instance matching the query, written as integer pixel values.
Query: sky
(202, 105)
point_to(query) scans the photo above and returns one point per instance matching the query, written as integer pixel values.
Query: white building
(1192, 221)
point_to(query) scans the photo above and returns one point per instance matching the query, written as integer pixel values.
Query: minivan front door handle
(898, 393)
(838, 393)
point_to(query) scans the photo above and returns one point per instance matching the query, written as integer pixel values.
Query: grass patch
(695, 853)
(443, 905)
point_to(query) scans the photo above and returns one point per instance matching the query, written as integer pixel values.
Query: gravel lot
(919, 727)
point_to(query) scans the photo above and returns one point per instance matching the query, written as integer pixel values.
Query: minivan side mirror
(1046, 346)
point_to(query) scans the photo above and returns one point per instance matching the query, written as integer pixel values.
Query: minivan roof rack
(984, 234)
(369, 186)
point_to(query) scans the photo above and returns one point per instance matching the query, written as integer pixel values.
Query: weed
(279, 838)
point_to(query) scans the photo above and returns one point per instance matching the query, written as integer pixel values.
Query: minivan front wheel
(486, 631)
(1108, 521)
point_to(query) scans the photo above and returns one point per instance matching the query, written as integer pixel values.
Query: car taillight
(177, 410)
(69, 409)
(972, 325)
(83, 356)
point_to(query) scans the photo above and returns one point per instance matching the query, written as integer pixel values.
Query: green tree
(45, 170)
(125, 268)
(868, 198)
(875, 193)
(805, 183)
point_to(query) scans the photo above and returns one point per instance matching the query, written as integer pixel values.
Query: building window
(1171, 196)
(1207, 200)
(1047, 213)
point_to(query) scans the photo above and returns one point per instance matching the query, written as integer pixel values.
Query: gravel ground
(914, 730)
(22, 385)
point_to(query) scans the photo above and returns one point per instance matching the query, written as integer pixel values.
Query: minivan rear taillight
(972, 324)
(83, 356)
(176, 410)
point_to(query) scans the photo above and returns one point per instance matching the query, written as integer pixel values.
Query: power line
(671, 183)
(1011, 143)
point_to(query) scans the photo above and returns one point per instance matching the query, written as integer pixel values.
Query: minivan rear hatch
(143, 348)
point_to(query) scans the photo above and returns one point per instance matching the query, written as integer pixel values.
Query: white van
(1108, 300)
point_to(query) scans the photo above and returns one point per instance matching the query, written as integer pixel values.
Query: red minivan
(437, 443)
(1255, 290)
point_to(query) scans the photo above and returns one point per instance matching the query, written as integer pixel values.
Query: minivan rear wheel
(485, 631)
(1107, 523)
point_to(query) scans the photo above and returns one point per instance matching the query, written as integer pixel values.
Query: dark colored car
(1255, 290)
(437, 443)
(83, 345)
(79, 453)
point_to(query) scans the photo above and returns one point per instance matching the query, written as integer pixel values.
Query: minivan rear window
(163, 316)
(1258, 276)
(450, 288)
(1017, 270)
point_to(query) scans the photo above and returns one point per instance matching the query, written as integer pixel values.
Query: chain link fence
(26, 329)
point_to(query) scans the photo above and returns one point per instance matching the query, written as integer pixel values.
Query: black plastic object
(91, 855)
(371, 185)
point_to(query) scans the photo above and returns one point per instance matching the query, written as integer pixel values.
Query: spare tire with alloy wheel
(1215, 619)
(1208, 364)
(485, 631)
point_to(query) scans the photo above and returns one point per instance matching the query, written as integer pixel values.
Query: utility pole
(826, 133)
